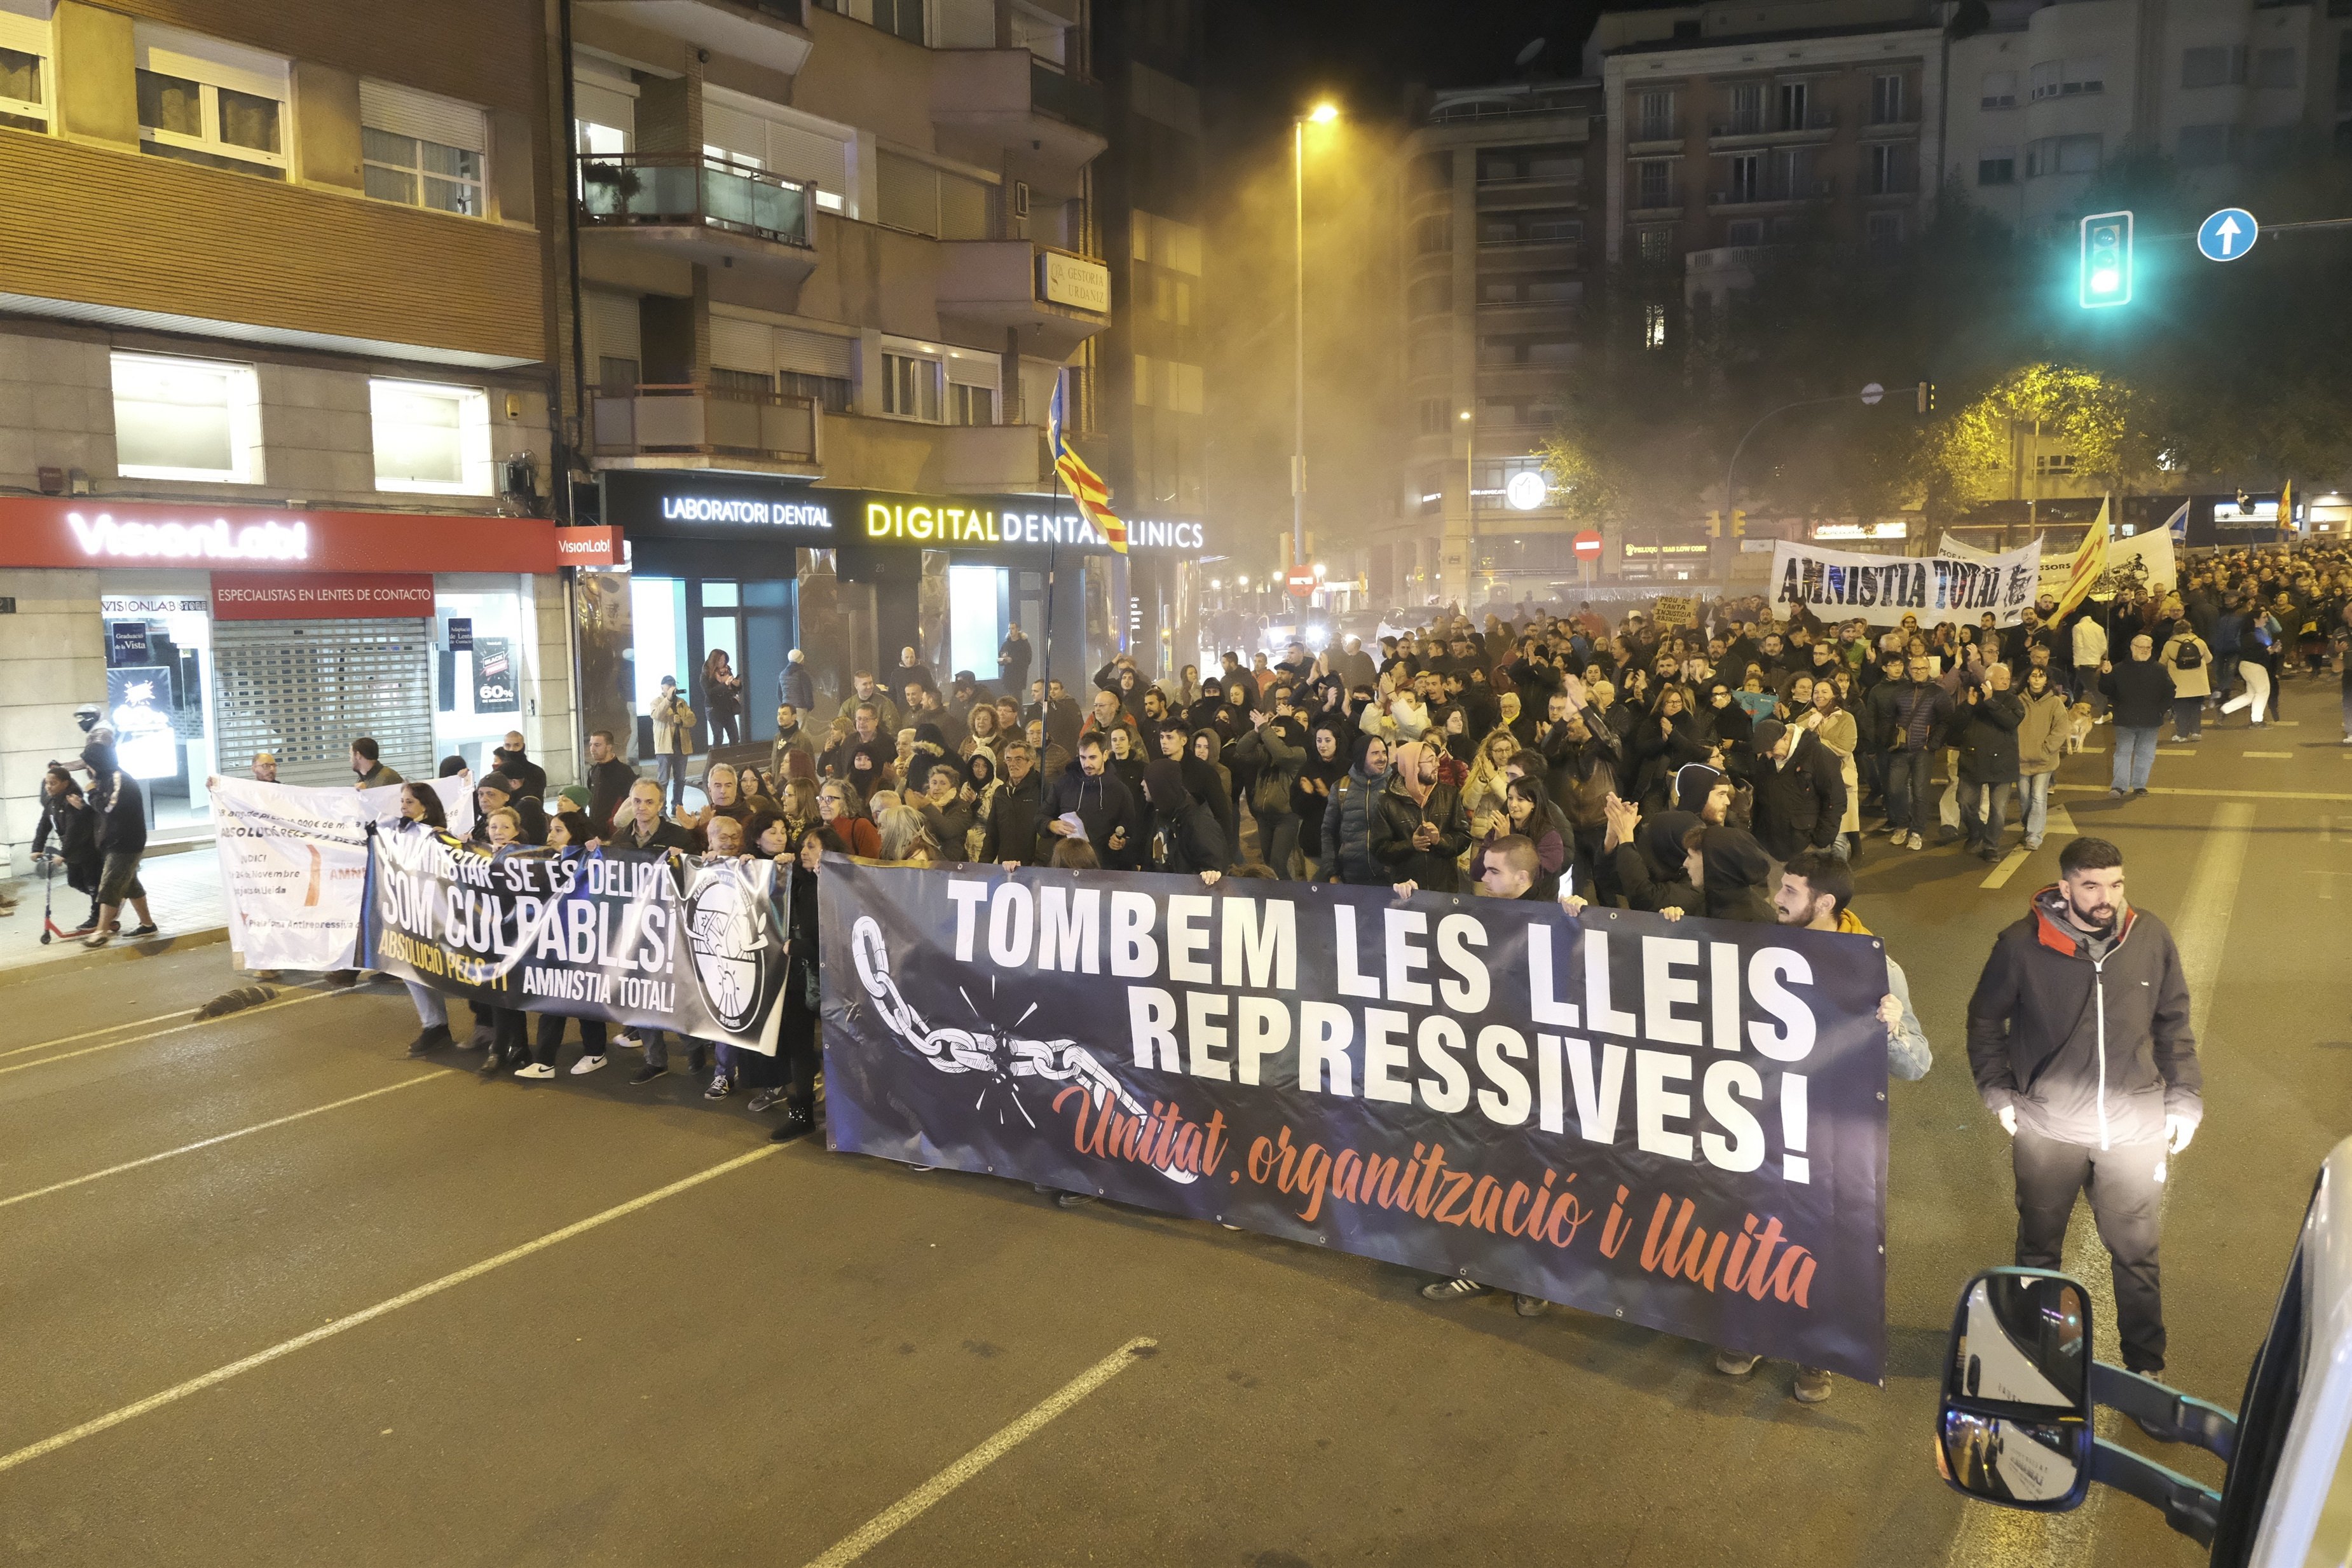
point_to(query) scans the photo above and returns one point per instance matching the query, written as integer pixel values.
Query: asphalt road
(751, 1367)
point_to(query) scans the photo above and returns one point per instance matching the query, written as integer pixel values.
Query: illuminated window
(1653, 325)
(202, 101)
(186, 419)
(434, 439)
(422, 151)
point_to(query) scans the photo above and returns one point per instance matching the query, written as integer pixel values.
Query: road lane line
(225, 1137)
(221, 1374)
(94, 1033)
(2273, 755)
(1991, 1534)
(175, 1029)
(2001, 873)
(2212, 794)
(885, 1525)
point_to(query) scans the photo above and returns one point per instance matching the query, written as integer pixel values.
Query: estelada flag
(2090, 564)
(1087, 486)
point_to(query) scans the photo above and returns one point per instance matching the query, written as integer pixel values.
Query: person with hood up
(1419, 831)
(1275, 761)
(1348, 819)
(1799, 801)
(1733, 873)
(1321, 774)
(1188, 838)
(2080, 1039)
(1090, 790)
(1211, 782)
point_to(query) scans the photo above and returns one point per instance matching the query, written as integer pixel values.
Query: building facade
(274, 448)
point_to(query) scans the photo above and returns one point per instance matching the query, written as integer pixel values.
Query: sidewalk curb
(155, 947)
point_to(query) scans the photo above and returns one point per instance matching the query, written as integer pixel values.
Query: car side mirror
(2013, 1425)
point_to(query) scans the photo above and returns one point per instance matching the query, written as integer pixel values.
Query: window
(1747, 110)
(186, 419)
(1183, 386)
(1890, 171)
(1997, 166)
(910, 387)
(616, 376)
(422, 151)
(1744, 232)
(2065, 79)
(2274, 67)
(1430, 235)
(2061, 155)
(1654, 184)
(2053, 462)
(205, 101)
(1552, 160)
(1794, 107)
(1654, 117)
(752, 383)
(1747, 178)
(1435, 414)
(971, 404)
(1884, 232)
(903, 17)
(1656, 244)
(2202, 146)
(1653, 325)
(926, 200)
(1998, 90)
(2215, 66)
(1532, 225)
(435, 439)
(24, 69)
(1887, 100)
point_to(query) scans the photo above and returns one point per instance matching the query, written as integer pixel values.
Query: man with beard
(1420, 830)
(1097, 798)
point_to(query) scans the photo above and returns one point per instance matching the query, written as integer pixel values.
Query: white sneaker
(586, 1064)
(1917, 842)
(629, 1038)
(535, 1070)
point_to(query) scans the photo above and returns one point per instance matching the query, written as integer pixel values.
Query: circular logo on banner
(736, 969)
(1526, 491)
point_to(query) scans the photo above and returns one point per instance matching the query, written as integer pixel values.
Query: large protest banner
(1840, 585)
(2143, 560)
(630, 936)
(1680, 1125)
(293, 861)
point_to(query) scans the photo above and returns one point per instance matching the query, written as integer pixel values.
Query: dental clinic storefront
(851, 577)
(207, 633)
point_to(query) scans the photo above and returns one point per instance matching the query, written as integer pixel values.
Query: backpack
(2186, 654)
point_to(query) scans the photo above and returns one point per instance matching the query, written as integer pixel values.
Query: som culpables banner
(1682, 1124)
(1840, 585)
(293, 861)
(630, 936)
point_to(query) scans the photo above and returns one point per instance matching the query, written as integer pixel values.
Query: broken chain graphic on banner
(999, 1054)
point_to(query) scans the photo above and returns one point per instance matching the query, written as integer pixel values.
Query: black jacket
(121, 813)
(609, 784)
(1987, 732)
(666, 835)
(1348, 829)
(2141, 690)
(1394, 820)
(1015, 819)
(1800, 803)
(1736, 871)
(1654, 869)
(1191, 840)
(1892, 706)
(1102, 805)
(75, 826)
(2089, 1050)
(529, 777)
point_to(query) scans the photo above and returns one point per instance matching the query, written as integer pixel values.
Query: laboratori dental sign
(1677, 1125)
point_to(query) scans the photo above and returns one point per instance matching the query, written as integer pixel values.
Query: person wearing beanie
(1187, 837)
(1800, 790)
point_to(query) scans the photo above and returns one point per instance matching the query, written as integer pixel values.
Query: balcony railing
(1067, 97)
(682, 419)
(1815, 120)
(1764, 192)
(1654, 200)
(688, 190)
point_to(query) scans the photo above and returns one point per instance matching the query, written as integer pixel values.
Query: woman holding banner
(795, 1061)
(418, 803)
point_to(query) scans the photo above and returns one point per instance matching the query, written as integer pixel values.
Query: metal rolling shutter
(738, 345)
(306, 689)
(814, 354)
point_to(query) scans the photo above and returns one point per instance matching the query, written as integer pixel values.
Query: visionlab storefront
(207, 634)
(757, 568)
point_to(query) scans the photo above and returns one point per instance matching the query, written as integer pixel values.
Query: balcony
(1771, 194)
(1047, 126)
(699, 208)
(1057, 298)
(769, 33)
(1655, 136)
(994, 457)
(1893, 182)
(1816, 125)
(1655, 201)
(710, 428)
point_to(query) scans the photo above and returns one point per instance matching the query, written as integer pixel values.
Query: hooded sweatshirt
(1191, 840)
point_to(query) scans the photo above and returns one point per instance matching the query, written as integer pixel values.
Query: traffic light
(1714, 525)
(1927, 397)
(1740, 523)
(2106, 269)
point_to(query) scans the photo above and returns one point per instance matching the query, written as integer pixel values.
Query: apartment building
(275, 452)
(1739, 125)
(2046, 95)
(836, 262)
(1495, 187)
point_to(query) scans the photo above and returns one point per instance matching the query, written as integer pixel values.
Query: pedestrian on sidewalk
(120, 812)
(65, 811)
(2080, 1042)
(2140, 691)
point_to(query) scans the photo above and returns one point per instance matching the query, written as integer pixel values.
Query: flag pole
(1053, 541)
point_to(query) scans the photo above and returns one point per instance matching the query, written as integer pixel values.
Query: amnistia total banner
(1682, 1124)
(1840, 585)
(630, 936)
(2144, 560)
(293, 861)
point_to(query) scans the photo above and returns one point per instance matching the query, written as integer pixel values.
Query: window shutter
(600, 101)
(611, 324)
(744, 135)
(26, 33)
(967, 372)
(742, 345)
(812, 353)
(798, 154)
(172, 52)
(404, 111)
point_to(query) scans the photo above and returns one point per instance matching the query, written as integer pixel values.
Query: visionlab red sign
(319, 595)
(89, 531)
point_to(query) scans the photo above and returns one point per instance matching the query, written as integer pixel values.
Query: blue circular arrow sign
(2227, 235)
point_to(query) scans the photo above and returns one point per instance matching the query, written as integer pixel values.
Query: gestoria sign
(92, 532)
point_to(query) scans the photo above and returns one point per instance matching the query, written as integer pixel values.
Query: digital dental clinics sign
(1013, 521)
(90, 531)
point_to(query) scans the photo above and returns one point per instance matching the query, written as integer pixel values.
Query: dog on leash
(2078, 726)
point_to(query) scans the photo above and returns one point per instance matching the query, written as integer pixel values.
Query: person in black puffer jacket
(1348, 820)
(2141, 692)
(1800, 790)
(1318, 779)
(1190, 839)
(1987, 725)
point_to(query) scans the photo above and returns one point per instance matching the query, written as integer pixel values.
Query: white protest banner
(2144, 560)
(294, 864)
(1842, 585)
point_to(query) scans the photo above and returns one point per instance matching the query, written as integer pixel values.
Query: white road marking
(178, 1029)
(2060, 821)
(221, 1374)
(883, 1525)
(2201, 927)
(94, 1033)
(224, 1137)
(2210, 794)
(2001, 873)
(2274, 756)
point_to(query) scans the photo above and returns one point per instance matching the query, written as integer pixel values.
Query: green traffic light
(2105, 274)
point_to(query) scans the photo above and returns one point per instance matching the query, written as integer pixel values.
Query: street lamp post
(1321, 114)
(1470, 505)
(1869, 394)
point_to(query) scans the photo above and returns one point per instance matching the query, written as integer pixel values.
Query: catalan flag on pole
(1087, 486)
(2090, 564)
